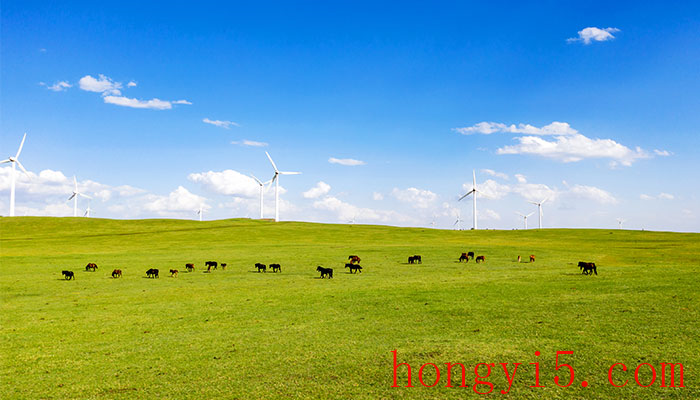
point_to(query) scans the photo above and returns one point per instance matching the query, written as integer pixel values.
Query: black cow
(417, 259)
(152, 273)
(275, 268)
(464, 257)
(211, 264)
(325, 271)
(480, 259)
(68, 275)
(470, 255)
(587, 268)
(223, 266)
(117, 273)
(354, 268)
(173, 273)
(261, 267)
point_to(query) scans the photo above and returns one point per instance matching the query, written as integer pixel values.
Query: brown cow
(532, 258)
(354, 259)
(117, 273)
(480, 259)
(91, 266)
(464, 257)
(189, 267)
(223, 266)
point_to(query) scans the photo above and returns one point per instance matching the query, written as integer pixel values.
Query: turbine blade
(19, 164)
(542, 202)
(75, 182)
(5, 161)
(290, 173)
(529, 214)
(86, 196)
(474, 177)
(20, 146)
(73, 195)
(271, 162)
(256, 179)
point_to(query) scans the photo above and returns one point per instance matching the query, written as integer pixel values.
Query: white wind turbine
(473, 192)
(88, 210)
(276, 179)
(619, 223)
(539, 207)
(200, 212)
(458, 223)
(15, 161)
(262, 190)
(75, 195)
(525, 217)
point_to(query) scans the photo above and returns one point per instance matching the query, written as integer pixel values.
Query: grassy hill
(241, 334)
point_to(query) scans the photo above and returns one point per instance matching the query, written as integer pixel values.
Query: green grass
(237, 334)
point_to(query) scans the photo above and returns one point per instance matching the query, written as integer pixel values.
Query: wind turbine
(75, 195)
(432, 224)
(200, 212)
(262, 190)
(525, 217)
(15, 161)
(458, 223)
(88, 210)
(539, 207)
(474, 192)
(276, 179)
(619, 223)
(352, 221)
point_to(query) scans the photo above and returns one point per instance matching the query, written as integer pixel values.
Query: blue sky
(594, 106)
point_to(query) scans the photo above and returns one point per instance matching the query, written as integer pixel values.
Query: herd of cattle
(587, 268)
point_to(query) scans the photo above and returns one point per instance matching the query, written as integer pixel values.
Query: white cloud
(181, 102)
(487, 128)
(131, 84)
(645, 197)
(494, 173)
(228, 182)
(154, 104)
(345, 161)
(178, 201)
(345, 212)
(321, 188)
(593, 193)
(587, 35)
(520, 178)
(59, 86)
(220, 124)
(101, 85)
(666, 196)
(415, 197)
(377, 196)
(488, 214)
(662, 153)
(660, 196)
(252, 143)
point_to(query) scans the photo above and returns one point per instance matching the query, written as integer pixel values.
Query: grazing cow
(261, 267)
(117, 273)
(68, 275)
(152, 273)
(354, 259)
(470, 255)
(325, 271)
(411, 260)
(223, 266)
(464, 257)
(189, 267)
(418, 259)
(519, 258)
(91, 266)
(587, 268)
(173, 273)
(211, 264)
(532, 258)
(354, 268)
(275, 268)
(480, 259)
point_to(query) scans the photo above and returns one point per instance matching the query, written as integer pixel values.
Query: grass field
(238, 334)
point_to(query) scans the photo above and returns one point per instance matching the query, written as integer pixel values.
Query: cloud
(494, 173)
(252, 143)
(345, 161)
(487, 128)
(593, 193)
(321, 188)
(345, 211)
(660, 196)
(488, 214)
(666, 196)
(662, 153)
(228, 182)
(520, 178)
(154, 104)
(220, 124)
(182, 102)
(587, 35)
(178, 201)
(576, 147)
(102, 84)
(131, 84)
(645, 197)
(417, 198)
(377, 196)
(60, 86)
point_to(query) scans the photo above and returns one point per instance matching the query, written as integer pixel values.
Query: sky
(386, 108)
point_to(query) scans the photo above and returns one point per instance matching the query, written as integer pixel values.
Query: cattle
(261, 267)
(470, 255)
(173, 273)
(211, 264)
(464, 257)
(354, 259)
(325, 272)
(354, 268)
(152, 273)
(480, 259)
(275, 268)
(418, 259)
(411, 260)
(117, 273)
(223, 266)
(91, 266)
(587, 268)
(189, 267)
(519, 258)
(532, 258)
(68, 275)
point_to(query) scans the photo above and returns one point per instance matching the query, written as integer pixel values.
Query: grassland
(237, 334)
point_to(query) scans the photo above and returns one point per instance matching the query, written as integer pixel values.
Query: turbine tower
(525, 218)
(15, 161)
(200, 212)
(619, 223)
(474, 192)
(262, 190)
(539, 207)
(88, 210)
(75, 195)
(276, 179)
